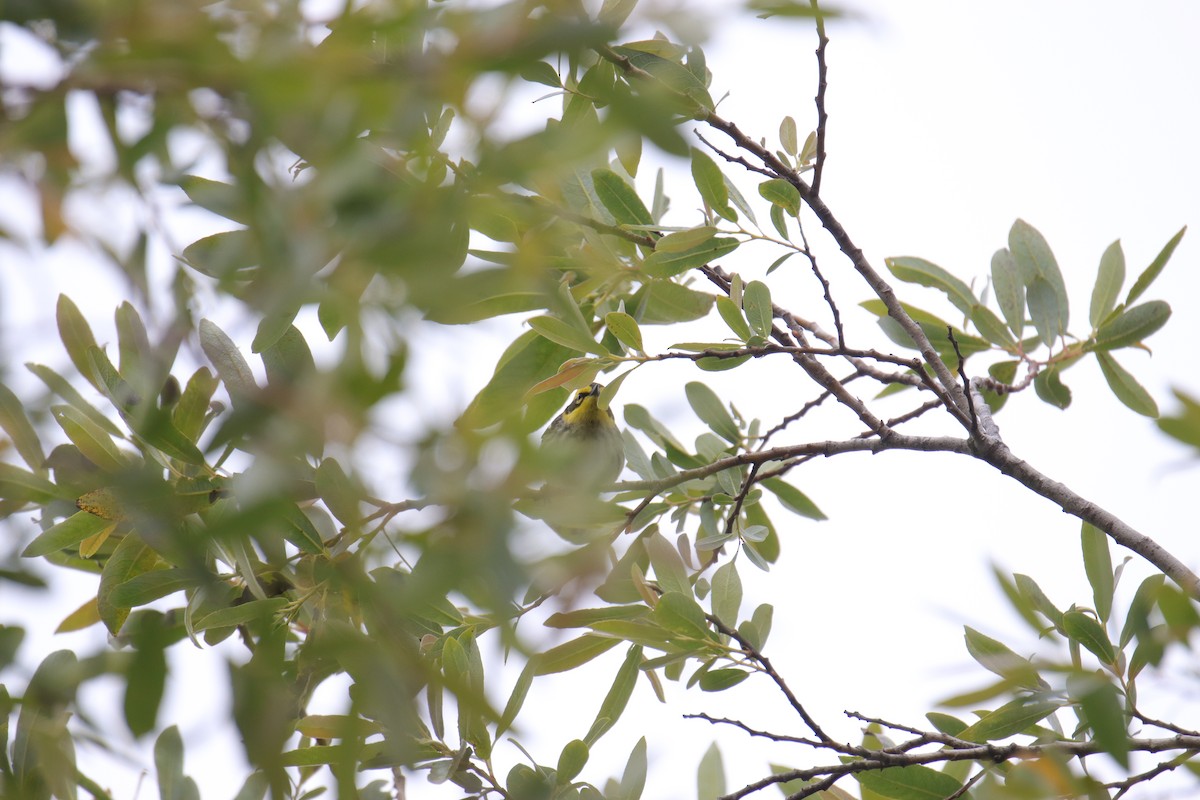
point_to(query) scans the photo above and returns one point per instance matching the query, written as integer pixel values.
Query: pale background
(947, 121)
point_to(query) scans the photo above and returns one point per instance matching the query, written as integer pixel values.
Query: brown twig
(768, 668)
(822, 85)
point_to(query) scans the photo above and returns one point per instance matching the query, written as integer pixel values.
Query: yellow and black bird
(585, 443)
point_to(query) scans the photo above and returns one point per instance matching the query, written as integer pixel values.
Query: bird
(584, 443)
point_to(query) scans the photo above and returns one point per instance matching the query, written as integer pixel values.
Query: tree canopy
(266, 484)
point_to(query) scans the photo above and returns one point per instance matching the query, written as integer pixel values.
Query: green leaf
(150, 586)
(1097, 563)
(223, 199)
(517, 699)
(168, 762)
(661, 264)
(59, 385)
(739, 202)
(340, 494)
(788, 137)
(925, 273)
(133, 343)
(22, 486)
(567, 335)
(677, 79)
(571, 761)
(1049, 387)
(1104, 712)
(1010, 290)
(781, 194)
(146, 673)
(629, 153)
(946, 723)
(76, 337)
(679, 241)
(992, 329)
(669, 569)
(287, 358)
(1125, 386)
(300, 530)
(733, 317)
(72, 530)
(996, 657)
(618, 696)
(1083, 628)
(1109, 280)
(793, 499)
(718, 680)
(709, 180)
(710, 775)
(1133, 325)
(633, 778)
(231, 366)
(909, 783)
(241, 614)
(712, 411)
(1137, 617)
(228, 255)
(726, 596)
(1044, 310)
(1156, 266)
(191, 412)
(759, 312)
(620, 198)
(1030, 590)
(1034, 259)
(575, 653)
(15, 422)
(1184, 426)
(682, 615)
(541, 72)
(664, 301)
(1007, 720)
(131, 558)
(92, 440)
(625, 328)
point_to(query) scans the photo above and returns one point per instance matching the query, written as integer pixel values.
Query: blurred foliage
(361, 167)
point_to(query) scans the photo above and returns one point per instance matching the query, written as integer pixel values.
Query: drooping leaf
(1097, 563)
(709, 181)
(709, 408)
(925, 273)
(1083, 628)
(1126, 387)
(781, 194)
(617, 699)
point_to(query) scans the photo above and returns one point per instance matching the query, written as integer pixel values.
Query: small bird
(585, 442)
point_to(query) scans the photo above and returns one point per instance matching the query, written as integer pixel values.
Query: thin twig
(822, 85)
(774, 675)
(966, 382)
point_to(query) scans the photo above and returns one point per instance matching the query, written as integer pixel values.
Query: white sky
(947, 121)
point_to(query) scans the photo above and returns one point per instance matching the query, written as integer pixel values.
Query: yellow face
(584, 406)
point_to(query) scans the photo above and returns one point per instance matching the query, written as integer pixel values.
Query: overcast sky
(948, 120)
